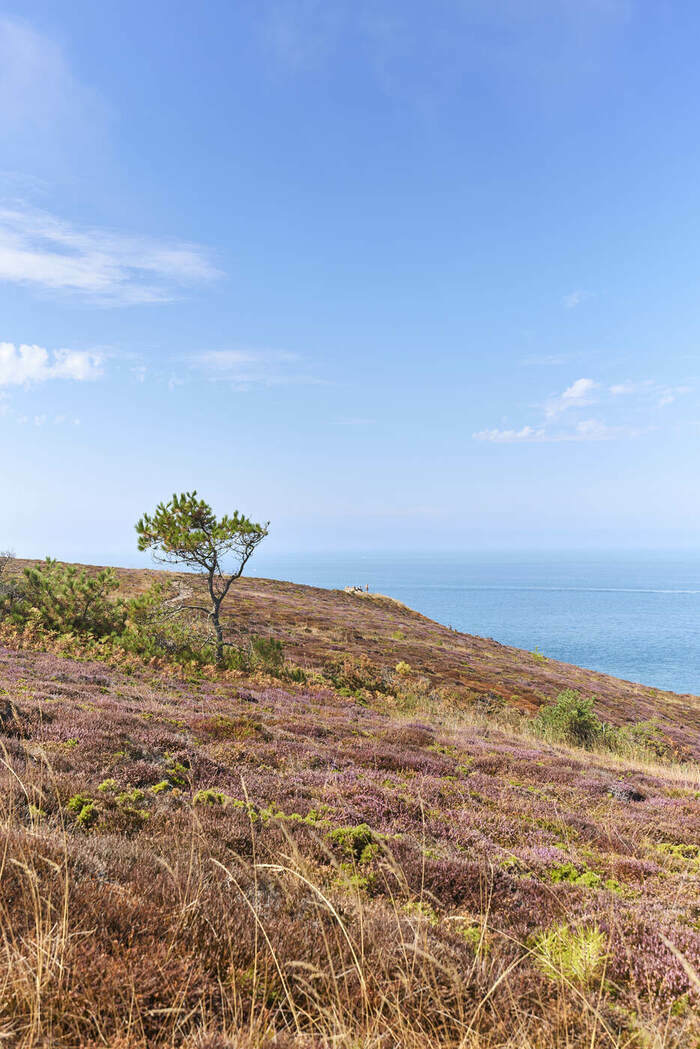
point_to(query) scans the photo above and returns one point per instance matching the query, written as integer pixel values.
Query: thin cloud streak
(108, 268)
(585, 430)
(247, 368)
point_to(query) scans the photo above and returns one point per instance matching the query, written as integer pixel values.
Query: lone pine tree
(186, 531)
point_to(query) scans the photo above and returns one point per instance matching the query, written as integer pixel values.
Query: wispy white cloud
(584, 430)
(496, 436)
(247, 368)
(24, 365)
(597, 430)
(659, 393)
(106, 267)
(577, 395)
(622, 389)
(564, 420)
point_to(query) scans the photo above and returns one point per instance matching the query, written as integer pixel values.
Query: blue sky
(389, 274)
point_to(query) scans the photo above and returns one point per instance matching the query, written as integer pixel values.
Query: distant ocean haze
(636, 616)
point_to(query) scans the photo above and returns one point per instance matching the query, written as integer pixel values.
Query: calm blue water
(636, 616)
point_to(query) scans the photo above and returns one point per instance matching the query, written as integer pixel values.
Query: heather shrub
(199, 840)
(355, 672)
(569, 719)
(64, 599)
(644, 738)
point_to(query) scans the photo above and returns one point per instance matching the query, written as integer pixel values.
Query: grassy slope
(140, 916)
(315, 624)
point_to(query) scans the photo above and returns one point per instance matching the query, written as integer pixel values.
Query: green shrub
(297, 674)
(645, 738)
(570, 719)
(159, 627)
(10, 585)
(78, 802)
(569, 873)
(357, 842)
(84, 810)
(267, 653)
(209, 797)
(356, 672)
(65, 600)
(177, 773)
(88, 815)
(572, 955)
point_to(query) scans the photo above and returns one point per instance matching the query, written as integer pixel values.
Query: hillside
(229, 861)
(316, 625)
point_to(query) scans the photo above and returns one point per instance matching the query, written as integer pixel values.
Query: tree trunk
(218, 630)
(216, 600)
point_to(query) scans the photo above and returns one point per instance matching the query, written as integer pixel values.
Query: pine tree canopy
(185, 530)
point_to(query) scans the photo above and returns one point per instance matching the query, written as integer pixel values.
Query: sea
(633, 615)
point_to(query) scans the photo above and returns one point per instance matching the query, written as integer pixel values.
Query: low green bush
(10, 585)
(356, 842)
(643, 738)
(65, 599)
(209, 797)
(569, 719)
(159, 627)
(267, 653)
(355, 672)
(571, 955)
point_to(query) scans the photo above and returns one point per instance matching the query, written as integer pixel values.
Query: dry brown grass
(64, 984)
